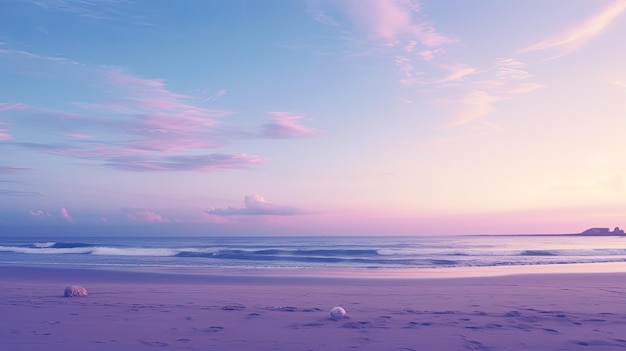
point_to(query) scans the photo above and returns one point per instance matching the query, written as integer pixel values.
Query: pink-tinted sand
(142, 311)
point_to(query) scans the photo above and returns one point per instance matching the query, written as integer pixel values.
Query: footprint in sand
(355, 325)
(154, 343)
(315, 309)
(411, 325)
(476, 345)
(213, 329)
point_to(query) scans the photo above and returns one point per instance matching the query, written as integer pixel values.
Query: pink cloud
(165, 123)
(38, 213)
(508, 78)
(4, 135)
(90, 150)
(257, 205)
(203, 163)
(576, 37)
(395, 26)
(410, 46)
(146, 217)
(161, 120)
(152, 95)
(65, 215)
(173, 143)
(285, 125)
(429, 55)
(215, 219)
(456, 72)
(393, 20)
(511, 69)
(407, 69)
(474, 106)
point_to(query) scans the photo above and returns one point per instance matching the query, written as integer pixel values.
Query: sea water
(312, 253)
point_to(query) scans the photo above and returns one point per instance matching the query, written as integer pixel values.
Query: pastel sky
(319, 117)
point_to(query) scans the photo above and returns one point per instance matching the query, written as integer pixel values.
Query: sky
(312, 117)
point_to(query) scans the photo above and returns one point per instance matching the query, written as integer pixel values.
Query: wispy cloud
(580, 34)
(392, 21)
(80, 136)
(215, 95)
(30, 55)
(203, 163)
(285, 125)
(14, 106)
(103, 10)
(473, 106)
(505, 79)
(394, 27)
(139, 124)
(18, 193)
(456, 72)
(13, 169)
(257, 205)
(38, 213)
(145, 216)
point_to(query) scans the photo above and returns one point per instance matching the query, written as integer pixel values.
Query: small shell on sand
(337, 313)
(75, 290)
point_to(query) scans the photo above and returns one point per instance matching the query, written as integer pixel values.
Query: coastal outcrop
(603, 231)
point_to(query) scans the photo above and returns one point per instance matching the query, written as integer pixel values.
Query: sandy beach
(146, 311)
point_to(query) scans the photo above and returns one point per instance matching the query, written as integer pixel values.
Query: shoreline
(322, 273)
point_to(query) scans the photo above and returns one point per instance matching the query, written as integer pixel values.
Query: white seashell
(75, 290)
(337, 313)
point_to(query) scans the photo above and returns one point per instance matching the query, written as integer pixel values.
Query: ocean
(303, 254)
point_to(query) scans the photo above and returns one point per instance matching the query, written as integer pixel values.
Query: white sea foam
(298, 252)
(114, 251)
(46, 250)
(45, 244)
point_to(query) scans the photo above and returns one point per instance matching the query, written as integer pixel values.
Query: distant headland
(602, 232)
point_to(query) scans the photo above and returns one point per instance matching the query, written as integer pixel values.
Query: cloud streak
(13, 169)
(38, 213)
(7, 107)
(6, 192)
(256, 205)
(393, 20)
(145, 216)
(505, 79)
(285, 125)
(204, 163)
(397, 28)
(103, 10)
(579, 35)
(139, 125)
